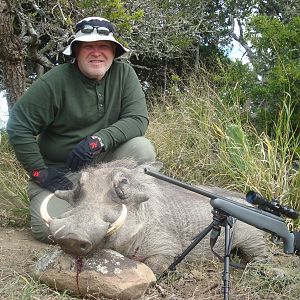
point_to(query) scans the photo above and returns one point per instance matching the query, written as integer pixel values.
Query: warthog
(117, 206)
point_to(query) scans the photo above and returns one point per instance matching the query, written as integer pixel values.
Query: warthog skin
(162, 219)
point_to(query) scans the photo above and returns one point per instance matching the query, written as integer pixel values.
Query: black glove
(297, 242)
(84, 152)
(51, 179)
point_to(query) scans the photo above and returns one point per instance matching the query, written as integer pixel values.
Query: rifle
(268, 216)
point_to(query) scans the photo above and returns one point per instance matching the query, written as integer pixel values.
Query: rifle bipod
(220, 219)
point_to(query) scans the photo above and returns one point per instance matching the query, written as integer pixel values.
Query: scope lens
(250, 196)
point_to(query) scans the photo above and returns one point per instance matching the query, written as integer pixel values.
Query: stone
(106, 273)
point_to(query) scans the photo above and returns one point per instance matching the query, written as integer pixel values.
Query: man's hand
(51, 179)
(84, 152)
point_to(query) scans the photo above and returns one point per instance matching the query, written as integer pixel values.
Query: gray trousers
(139, 149)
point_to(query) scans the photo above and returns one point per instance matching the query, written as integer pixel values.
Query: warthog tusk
(43, 210)
(119, 222)
(58, 230)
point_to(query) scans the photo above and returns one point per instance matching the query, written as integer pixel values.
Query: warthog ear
(73, 195)
(126, 191)
(66, 195)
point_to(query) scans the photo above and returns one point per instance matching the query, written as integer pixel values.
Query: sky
(237, 52)
(3, 110)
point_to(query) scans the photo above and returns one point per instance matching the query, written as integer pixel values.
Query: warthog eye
(124, 180)
(120, 193)
(121, 188)
(121, 185)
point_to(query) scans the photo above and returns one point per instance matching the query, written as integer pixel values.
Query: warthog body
(162, 219)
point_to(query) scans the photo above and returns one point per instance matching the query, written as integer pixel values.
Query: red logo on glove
(36, 173)
(93, 145)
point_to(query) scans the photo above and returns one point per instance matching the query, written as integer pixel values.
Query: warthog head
(101, 202)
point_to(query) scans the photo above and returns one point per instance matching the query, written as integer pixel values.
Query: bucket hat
(94, 29)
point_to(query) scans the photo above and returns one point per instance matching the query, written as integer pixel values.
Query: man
(80, 113)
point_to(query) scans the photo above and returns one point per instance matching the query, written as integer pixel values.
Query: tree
(11, 56)
(239, 13)
(269, 33)
(276, 60)
(176, 37)
(273, 78)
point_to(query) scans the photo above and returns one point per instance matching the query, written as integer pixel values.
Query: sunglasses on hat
(99, 30)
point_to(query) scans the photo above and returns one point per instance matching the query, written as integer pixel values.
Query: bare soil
(19, 252)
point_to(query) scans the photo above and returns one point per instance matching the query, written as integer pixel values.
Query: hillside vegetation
(200, 140)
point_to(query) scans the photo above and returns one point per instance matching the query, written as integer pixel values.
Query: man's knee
(55, 208)
(139, 149)
(143, 150)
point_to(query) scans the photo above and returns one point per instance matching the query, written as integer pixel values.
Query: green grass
(13, 184)
(200, 139)
(23, 287)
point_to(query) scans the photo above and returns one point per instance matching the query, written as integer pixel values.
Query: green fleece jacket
(64, 106)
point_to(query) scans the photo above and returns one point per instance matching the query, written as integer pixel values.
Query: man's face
(95, 58)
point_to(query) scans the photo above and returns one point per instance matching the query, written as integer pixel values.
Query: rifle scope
(274, 206)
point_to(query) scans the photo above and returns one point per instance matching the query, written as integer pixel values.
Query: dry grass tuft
(14, 200)
(201, 140)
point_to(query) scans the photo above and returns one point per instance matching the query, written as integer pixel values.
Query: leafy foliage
(271, 80)
(277, 61)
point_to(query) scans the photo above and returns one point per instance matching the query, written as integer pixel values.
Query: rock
(105, 274)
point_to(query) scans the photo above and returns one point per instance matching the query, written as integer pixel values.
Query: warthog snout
(71, 243)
